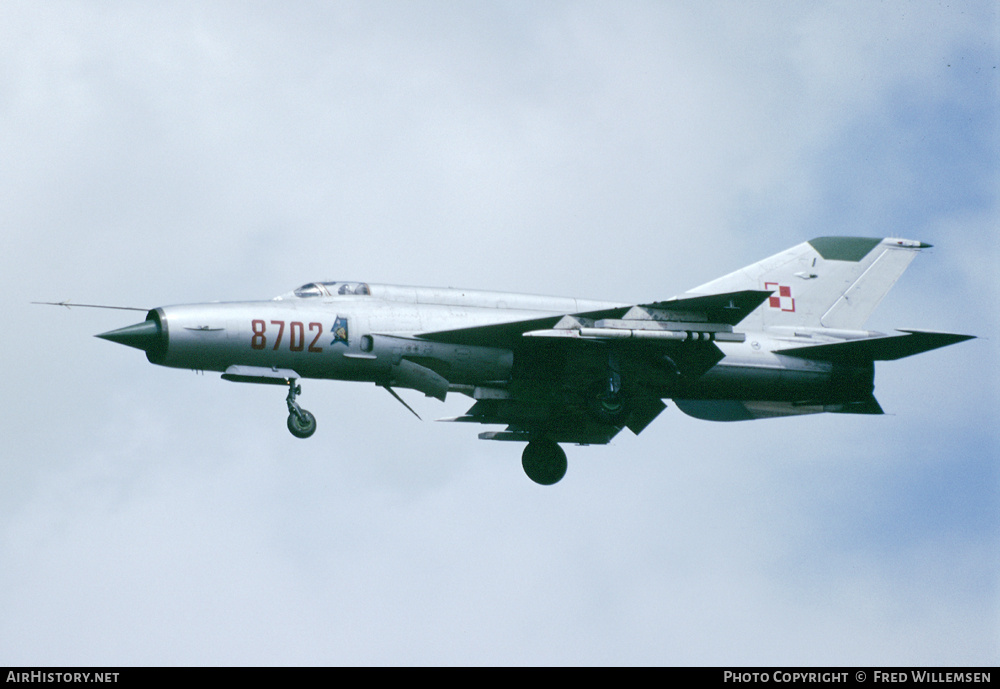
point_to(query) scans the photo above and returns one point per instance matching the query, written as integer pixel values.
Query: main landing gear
(301, 423)
(544, 461)
(605, 400)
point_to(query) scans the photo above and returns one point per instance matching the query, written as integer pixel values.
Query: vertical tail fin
(832, 282)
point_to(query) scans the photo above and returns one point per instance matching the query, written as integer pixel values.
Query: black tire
(544, 462)
(302, 425)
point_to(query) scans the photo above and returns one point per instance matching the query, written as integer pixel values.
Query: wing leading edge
(724, 309)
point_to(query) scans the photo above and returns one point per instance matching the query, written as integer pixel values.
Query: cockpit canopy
(330, 289)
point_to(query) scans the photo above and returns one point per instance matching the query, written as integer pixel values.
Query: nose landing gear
(301, 423)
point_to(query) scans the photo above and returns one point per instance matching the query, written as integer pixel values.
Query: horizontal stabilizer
(887, 348)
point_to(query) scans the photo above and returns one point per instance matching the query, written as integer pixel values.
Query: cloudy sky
(177, 152)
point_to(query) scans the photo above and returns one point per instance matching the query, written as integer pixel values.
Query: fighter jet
(781, 337)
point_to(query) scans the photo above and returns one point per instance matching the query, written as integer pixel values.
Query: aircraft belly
(750, 382)
(771, 377)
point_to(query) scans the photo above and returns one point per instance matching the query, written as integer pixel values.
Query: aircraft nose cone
(144, 336)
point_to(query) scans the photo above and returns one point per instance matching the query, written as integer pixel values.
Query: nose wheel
(301, 423)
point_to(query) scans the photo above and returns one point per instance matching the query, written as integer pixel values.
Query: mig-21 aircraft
(780, 337)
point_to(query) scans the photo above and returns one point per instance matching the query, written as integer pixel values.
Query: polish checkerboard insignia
(782, 299)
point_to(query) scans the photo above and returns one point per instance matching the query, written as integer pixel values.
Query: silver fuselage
(368, 337)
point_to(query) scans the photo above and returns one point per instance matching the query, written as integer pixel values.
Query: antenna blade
(393, 393)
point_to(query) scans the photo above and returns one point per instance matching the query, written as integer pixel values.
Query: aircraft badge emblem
(339, 331)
